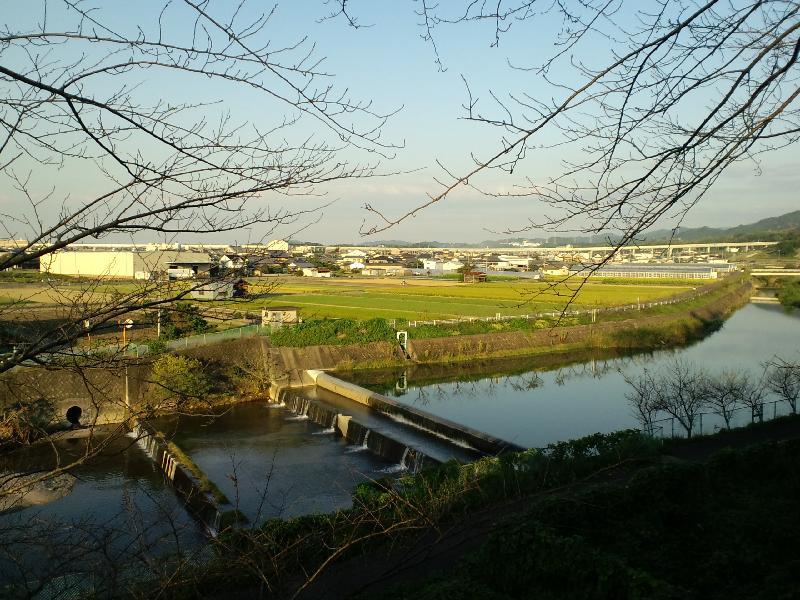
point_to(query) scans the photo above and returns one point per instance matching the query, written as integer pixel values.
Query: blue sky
(389, 64)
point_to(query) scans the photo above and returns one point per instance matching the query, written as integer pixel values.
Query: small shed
(279, 314)
(474, 277)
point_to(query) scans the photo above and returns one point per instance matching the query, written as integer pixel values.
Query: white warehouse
(128, 264)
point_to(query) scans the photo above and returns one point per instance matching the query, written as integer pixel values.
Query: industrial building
(128, 264)
(653, 271)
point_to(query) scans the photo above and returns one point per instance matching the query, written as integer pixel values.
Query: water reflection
(117, 512)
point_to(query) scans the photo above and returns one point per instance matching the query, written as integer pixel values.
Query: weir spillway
(409, 437)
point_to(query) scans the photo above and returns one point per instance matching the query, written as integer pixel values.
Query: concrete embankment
(409, 452)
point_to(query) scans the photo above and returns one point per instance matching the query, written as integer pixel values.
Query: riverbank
(683, 325)
(251, 368)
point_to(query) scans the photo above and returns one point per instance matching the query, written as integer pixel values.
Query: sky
(387, 63)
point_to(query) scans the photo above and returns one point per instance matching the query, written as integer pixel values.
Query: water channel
(114, 508)
(536, 401)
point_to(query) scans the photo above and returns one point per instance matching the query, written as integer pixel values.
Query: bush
(789, 294)
(24, 422)
(185, 319)
(180, 377)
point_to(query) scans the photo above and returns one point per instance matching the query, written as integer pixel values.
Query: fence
(710, 422)
(570, 313)
(194, 341)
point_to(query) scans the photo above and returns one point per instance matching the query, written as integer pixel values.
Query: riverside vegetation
(604, 516)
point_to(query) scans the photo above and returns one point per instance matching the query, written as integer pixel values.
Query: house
(381, 259)
(263, 265)
(474, 277)
(231, 262)
(555, 269)
(316, 272)
(299, 265)
(219, 290)
(356, 266)
(495, 263)
(443, 266)
(273, 315)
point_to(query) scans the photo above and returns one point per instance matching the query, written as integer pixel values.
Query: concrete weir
(458, 434)
(408, 437)
(201, 504)
(363, 434)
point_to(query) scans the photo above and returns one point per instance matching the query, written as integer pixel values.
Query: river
(533, 403)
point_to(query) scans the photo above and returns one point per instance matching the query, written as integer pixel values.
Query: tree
(122, 102)
(645, 398)
(180, 379)
(783, 379)
(678, 389)
(751, 394)
(789, 294)
(185, 319)
(723, 393)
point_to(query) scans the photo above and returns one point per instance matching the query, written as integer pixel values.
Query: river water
(272, 464)
(533, 403)
(112, 510)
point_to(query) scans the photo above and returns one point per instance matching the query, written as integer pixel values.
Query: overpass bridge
(775, 273)
(668, 248)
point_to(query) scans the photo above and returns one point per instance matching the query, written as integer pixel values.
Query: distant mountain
(767, 229)
(771, 228)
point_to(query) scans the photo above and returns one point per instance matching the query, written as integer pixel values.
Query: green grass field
(361, 299)
(425, 300)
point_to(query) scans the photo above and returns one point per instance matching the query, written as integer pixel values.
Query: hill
(768, 229)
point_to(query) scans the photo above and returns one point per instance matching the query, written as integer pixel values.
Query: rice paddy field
(442, 299)
(366, 298)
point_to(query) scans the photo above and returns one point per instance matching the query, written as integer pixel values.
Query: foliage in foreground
(723, 530)
(281, 554)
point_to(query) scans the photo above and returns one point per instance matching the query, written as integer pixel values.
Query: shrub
(180, 377)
